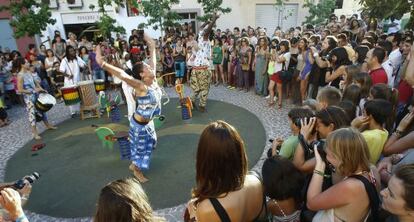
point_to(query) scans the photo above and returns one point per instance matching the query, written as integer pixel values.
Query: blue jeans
(98, 74)
(179, 69)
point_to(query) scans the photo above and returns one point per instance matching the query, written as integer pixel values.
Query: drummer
(29, 88)
(70, 67)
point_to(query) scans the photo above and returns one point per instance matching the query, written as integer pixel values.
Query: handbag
(286, 74)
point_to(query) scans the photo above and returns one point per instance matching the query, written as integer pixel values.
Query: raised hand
(99, 57)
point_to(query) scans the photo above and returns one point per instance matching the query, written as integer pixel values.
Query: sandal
(37, 147)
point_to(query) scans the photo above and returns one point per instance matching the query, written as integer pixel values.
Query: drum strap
(70, 70)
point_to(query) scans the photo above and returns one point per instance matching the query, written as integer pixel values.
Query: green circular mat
(74, 166)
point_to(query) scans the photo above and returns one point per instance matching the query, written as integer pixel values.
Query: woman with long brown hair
(224, 191)
(260, 67)
(124, 200)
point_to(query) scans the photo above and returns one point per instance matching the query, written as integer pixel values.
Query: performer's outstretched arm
(410, 68)
(152, 54)
(115, 71)
(210, 26)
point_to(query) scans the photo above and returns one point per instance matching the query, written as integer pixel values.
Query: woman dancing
(142, 136)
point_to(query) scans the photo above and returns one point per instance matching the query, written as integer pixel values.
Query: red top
(405, 91)
(378, 76)
(28, 54)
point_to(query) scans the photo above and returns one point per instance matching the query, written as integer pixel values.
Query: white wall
(349, 8)
(242, 15)
(243, 11)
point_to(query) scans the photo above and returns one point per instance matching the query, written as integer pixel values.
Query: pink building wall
(22, 43)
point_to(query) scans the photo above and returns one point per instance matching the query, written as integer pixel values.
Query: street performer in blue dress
(142, 136)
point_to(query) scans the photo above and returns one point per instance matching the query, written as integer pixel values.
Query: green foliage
(319, 13)
(28, 17)
(106, 23)
(210, 7)
(159, 14)
(383, 9)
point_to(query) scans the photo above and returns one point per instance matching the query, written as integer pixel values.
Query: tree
(384, 9)
(106, 23)
(29, 17)
(319, 13)
(159, 14)
(210, 7)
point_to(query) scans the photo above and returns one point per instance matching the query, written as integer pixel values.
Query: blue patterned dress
(143, 138)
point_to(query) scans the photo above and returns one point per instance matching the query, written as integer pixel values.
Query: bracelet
(321, 174)
(21, 218)
(398, 133)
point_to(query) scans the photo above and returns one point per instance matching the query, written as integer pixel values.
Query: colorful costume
(201, 75)
(142, 137)
(29, 99)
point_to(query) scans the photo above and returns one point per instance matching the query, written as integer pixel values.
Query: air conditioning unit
(75, 3)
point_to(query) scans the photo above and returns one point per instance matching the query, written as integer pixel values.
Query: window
(339, 4)
(190, 18)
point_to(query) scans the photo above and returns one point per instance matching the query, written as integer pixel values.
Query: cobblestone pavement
(18, 133)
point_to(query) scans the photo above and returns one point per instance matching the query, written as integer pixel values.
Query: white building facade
(76, 15)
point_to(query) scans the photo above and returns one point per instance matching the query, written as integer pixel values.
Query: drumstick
(167, 74)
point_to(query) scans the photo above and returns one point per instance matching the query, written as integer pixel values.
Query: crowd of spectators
(352, 130)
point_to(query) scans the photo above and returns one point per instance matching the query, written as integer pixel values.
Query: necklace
(281, 210)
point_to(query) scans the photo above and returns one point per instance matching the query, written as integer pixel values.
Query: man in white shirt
(394, 25)
(389, 70)
(201, 75)
(395, 56)
(70, 66)
(252, 38)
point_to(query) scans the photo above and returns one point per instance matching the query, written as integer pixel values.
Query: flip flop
(38, 146)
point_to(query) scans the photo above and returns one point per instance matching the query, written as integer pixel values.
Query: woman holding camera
(314, 131)
(321, 63)
(355, 197)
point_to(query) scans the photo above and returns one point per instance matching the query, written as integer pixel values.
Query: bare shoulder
(352, 186)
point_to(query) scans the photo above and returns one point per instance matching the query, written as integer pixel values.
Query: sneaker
(267, 97)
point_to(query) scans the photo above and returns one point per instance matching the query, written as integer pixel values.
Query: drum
(124, 145)
(87, 93)
(45, 102)
(99, 85)
(70, 95)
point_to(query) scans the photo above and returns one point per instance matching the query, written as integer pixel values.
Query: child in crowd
(286, 148)
(328, 96)
(371, 124)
